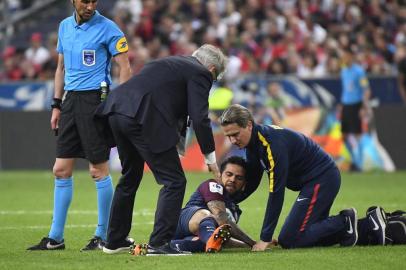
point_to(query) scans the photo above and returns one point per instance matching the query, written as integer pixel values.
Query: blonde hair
(236, 114)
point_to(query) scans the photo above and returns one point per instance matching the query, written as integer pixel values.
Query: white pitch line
(392, 207)
(142, 212)
(73, 226)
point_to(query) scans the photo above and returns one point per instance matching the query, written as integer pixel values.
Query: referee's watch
(56, 103)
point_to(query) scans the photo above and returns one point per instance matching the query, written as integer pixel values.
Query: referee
(354, 106)
(86, 43)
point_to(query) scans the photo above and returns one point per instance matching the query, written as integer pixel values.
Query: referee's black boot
(47, 243)
(95, 243)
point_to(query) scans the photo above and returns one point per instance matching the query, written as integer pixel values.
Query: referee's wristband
(56, 104)
(210, 158)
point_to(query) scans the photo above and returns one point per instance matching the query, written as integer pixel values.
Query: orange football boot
(219, 236)
(140, 250)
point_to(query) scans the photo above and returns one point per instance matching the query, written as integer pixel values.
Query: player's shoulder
(106, 22)
(66, 21)
(358, 68)
(274, 127)
(211, 186)
(269, 130)
(207, 182)
(190, 65)
(185, 60)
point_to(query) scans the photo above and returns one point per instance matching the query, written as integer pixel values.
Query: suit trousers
(167, 170)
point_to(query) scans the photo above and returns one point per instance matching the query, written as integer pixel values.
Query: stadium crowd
(299, 37)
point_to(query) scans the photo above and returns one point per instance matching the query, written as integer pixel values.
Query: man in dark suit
(144, 115)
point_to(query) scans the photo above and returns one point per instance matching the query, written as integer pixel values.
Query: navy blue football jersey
(290, 160)
(210, 190)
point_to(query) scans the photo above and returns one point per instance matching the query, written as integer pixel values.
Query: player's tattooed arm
(218, 209)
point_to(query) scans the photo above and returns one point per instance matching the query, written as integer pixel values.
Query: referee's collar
(84, 26)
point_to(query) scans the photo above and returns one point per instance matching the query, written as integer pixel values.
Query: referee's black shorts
(78, 136)
(350, 119)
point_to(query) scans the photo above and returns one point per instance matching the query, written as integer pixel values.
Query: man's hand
(261, 246)
(215, 170)
(365, 112)
(56, 114)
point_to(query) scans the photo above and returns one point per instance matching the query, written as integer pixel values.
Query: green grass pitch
(26, 201)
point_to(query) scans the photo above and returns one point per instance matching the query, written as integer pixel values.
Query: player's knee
(285, 241)
(97, 173)
(207, 215)
(61, 171)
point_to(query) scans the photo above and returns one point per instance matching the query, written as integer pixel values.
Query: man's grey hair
(210, 55)
(236, 114)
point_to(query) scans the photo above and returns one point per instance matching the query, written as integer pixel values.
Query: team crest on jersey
(89, 57)
(216, 188)
(275, 127)
(122, 45)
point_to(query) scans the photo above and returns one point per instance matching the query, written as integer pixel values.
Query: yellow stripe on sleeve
(270, 159)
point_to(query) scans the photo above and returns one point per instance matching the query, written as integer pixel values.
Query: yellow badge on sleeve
(364, 82)
(122, 45)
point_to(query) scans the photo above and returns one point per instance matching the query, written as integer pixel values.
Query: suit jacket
(164, 93)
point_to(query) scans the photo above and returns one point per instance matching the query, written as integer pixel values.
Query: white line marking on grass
(73, 226)
(142, 212)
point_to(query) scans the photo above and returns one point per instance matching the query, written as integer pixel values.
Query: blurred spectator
(401, 57)
(17, 5)
(310, 68)
(278, 102)
(277, 67)
(301, 37)
(132, 7)
(49, 67)
(400, 37)
(12, 70)
(333, 66)
(37, 54)
(249, 95)
(13, 5)
(233, 68)
(145, 27)
(311, 29)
